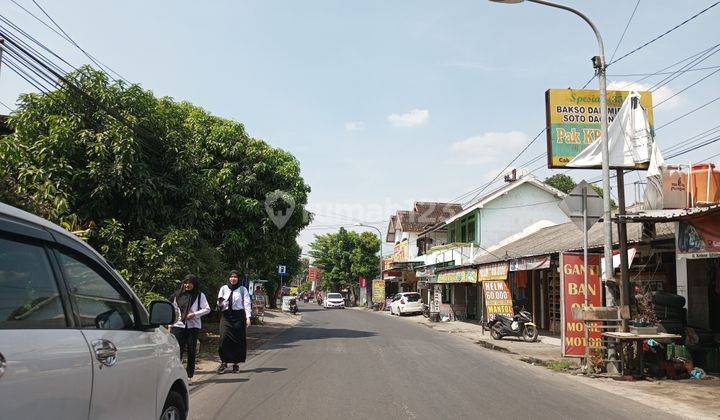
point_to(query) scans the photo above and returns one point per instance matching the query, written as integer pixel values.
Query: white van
(75, 341)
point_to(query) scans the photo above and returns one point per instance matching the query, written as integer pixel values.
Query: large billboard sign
(573, 296)
(573, 120)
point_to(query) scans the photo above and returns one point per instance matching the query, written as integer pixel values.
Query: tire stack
(670, 311)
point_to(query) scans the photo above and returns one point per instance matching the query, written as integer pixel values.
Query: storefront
(454, 293)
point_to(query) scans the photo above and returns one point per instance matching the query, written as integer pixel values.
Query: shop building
(532, 265)
(404, 229)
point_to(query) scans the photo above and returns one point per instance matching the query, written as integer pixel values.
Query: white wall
(511, 213)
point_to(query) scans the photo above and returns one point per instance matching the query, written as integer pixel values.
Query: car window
(29, 296)
(100, 305)
(412, 297)
(334, 296)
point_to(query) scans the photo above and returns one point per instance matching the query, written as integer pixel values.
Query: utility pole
(599, 65)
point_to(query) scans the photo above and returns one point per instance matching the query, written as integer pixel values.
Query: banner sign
(378, 291)
(530, 263)
(699, 237)
(387, 264)
(468, 275)
(362, 282)
(436, 299)
(494, 271)
(313, 273)
(400, 253)
(572, 295)
(573, 120)
(498, 299)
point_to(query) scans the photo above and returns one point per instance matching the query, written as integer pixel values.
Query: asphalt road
(349, 364)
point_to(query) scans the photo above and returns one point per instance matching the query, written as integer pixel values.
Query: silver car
(75, 341)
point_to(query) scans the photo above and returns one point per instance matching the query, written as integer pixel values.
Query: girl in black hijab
(234, 302)
(190, 304)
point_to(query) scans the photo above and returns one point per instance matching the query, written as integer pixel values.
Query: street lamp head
(507, 1)
(358, 224)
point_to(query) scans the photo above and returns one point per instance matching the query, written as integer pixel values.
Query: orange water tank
(705, 187)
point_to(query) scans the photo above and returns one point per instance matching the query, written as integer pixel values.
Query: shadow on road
(263, 370)
(300, 333)
(222, 379)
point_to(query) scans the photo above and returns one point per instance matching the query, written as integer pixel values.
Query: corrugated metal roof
(565, 237)
(671, 214)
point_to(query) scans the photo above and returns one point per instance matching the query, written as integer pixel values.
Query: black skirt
(233, 343)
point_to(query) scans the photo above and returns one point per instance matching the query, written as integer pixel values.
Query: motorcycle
(520, 325)
(426, 310)
(293, 306)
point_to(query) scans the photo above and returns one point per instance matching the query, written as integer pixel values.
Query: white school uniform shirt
(240, 298)
(195, 322)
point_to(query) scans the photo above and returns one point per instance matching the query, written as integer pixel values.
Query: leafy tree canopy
(344, 257)
(160, 187)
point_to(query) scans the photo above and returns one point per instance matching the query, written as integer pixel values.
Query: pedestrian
(234, 302)
(191, 304)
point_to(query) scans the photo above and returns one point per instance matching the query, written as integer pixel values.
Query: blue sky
(384, 102)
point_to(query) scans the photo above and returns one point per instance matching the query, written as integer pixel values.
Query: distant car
(333, 300)
(406, 303)
(75, 340)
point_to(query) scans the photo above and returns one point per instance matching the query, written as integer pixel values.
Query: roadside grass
(558, 365)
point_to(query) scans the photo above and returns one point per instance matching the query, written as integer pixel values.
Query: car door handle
(3, 364)
(105, 352)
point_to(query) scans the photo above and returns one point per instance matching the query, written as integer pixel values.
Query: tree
(566, 184)
(344, 257)
(160, 188)
(562, 182)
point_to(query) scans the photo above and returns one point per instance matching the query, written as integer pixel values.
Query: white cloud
(409, 119)
(354, 126)
(487, 147)
(658, 95)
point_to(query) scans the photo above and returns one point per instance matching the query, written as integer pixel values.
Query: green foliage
(344, 257)
(562, 182)
(160, 188)
(566, 184)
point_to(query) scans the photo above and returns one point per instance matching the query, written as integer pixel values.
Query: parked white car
(75, 341)
(406, 303)
(333, 300)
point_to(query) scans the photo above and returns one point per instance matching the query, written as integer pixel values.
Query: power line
(508, 165)
(671, 66)
(663, 73)
(686, 88)
(695, 62)
(625, 30)
(72, 41)
(687, 113)
(665, 33)
(5, 105)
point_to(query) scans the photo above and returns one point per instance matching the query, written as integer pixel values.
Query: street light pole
(599, 65)
(367, 287)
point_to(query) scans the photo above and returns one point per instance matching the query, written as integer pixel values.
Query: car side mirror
(162, 312)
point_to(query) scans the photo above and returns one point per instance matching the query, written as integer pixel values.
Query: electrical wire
(625, 30)
(687, 113)
(508, 165)
(5, 105)
(72, 41)
(685, 88)
(664, 33)
(663, 73)
(695, 62)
